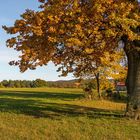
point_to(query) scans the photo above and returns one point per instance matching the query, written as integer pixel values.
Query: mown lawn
(62, 114)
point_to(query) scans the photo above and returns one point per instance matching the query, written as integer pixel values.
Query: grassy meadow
(62, 114)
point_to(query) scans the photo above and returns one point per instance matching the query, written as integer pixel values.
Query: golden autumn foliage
(112, 68)
(73, 33)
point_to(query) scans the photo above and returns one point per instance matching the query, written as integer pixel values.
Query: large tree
(73, 32)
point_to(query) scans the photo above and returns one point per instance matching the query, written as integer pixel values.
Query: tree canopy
(72, 32)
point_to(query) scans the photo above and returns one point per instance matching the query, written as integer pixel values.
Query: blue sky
(10, 10)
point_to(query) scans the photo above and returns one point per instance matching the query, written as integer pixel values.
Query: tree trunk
(133, 84)
(98, 84)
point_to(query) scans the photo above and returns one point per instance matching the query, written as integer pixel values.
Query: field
(62, 114)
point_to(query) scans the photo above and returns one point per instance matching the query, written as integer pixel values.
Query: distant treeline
(42, 83)
(64, 84)
(23, 83)
(37, 83)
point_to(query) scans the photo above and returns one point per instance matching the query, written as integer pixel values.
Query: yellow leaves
(37, 30)
(41, 14)
(56, 18)
(110, 33)
(106, 59)
(14, 30)
(136, 16)
(50, 17)
(61, 31)
(78, 27)
(51, 39)
(85, 33)
(11, 42)
(106, 83)
(53, 19)
(113, 62)
(27, 50)
(74, 42)
(89, 50)
(52, 30)
(80, 19)
(131, 35)
(89, 31)
(75, 3)
(110, 1)
(38, 21)
(20, 23)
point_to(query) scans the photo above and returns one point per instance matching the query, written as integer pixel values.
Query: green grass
(62, 114)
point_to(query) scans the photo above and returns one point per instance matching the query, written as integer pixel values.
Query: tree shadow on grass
(39, 109)
(47, 95)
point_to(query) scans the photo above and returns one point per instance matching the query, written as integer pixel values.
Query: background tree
(17, 84)
(111, 67)
(39, 83)
(88, 86)
(66, 32)
(1, 85)
(5, 83)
